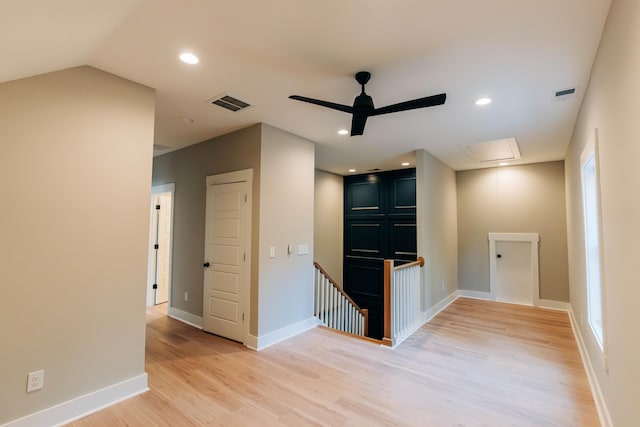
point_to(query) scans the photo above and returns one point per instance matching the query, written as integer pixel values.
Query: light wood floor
(478, 363)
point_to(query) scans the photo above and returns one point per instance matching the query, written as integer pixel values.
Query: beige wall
(75, 161)
(188, 169)
(611, 105)
(282, 214)
(329, 223)
(286, 218)
(436, 227)
(513, 199)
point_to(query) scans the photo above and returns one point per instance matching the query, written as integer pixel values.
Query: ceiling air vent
(229, 102)
(565, 94)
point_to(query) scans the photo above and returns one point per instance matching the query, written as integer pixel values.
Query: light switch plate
(303, 249)
(272, 251)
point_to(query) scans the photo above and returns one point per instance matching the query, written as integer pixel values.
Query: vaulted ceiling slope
(519, 53)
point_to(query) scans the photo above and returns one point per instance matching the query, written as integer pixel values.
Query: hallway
(478, 363)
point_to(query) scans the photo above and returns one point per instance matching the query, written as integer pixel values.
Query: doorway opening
(160, 245)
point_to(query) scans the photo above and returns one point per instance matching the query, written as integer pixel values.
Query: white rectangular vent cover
(492, 151)
(229, 102)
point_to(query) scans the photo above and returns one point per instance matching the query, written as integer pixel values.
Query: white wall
(286, 218)
(75, 163)
(437, 227)
(328, 226)
(611, 105)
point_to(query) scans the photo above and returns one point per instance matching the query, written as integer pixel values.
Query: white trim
(230, 177)
(554, 305)
(266, 340)
(156, 190)
(82, 406)
(427, 316)
(532, 238)
(475, 294)
(601, 405)
(186, 317)
(437, 308)
(244, 175)
(592, 148)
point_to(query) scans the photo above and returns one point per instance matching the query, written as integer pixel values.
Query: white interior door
(227, 235)
(160, 241)
(513, 272)
(164, 244)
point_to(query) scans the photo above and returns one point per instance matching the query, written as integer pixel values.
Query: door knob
(499, 256)
(206, 265)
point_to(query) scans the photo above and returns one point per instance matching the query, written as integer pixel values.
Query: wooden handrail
(419, 261)
(339, 289)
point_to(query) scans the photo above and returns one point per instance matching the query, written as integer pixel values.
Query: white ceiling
(518, 52)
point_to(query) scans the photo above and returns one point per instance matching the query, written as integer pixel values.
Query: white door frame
(244, 175)
(532, 238)
(155, 190)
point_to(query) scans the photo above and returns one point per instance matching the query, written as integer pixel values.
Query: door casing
(245, 176)
(532, 239)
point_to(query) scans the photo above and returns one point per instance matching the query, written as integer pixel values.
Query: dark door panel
(365, 238)
(379, 223)
(364, 195)
(402, 240)
(402, 194)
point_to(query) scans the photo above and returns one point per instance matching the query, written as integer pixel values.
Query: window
(591, 206)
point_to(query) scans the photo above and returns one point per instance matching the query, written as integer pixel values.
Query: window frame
(591, 153)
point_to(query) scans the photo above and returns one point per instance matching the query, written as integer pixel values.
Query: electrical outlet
(35, 381)
(186, 296)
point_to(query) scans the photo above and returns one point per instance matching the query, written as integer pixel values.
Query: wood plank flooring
(478, 363)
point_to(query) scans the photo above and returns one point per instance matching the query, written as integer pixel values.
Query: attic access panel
(492, 151)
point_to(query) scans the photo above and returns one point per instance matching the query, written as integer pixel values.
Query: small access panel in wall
(513, 267)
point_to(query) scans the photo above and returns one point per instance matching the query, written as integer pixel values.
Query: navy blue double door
(379, 224)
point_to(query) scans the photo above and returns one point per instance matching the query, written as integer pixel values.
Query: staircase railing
(402, 300)
(335, 308)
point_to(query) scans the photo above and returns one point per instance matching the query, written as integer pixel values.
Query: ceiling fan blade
(332, 105)
(428, 101)
(357, 124)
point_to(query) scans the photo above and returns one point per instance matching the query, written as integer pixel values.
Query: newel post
(388, 271)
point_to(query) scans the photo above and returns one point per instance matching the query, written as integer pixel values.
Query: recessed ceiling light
(343, 132)
(189, 58)
(405, 163)
(483, 101)
(504, 163)
(352, 170)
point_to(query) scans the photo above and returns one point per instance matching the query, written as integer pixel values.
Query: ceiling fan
(363, 105)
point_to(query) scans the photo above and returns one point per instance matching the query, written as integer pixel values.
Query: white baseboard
(475, 294)
(427, 316)
(82, 406)
(554, 305)
(436, 309)
(601, 406)
(186, 317)
(263, 341)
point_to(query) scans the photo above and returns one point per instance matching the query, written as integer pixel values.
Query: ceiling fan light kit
(363, 106)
